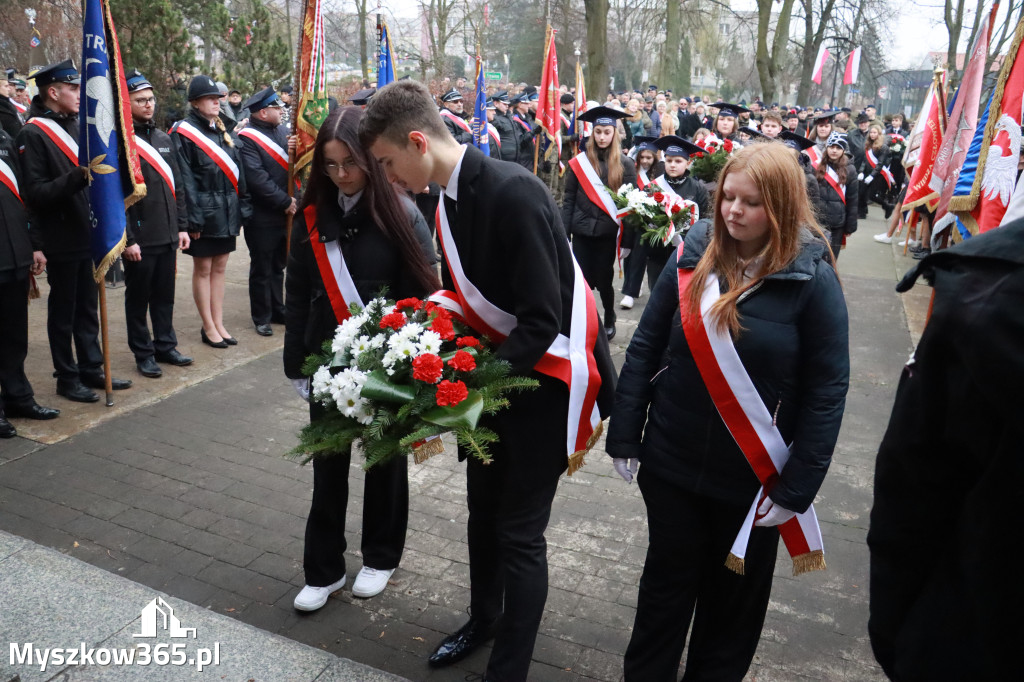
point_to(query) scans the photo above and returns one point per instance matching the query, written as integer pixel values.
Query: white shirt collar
(346, 202)
(452, 187)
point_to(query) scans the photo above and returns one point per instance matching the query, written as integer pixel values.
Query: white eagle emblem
(1001, 168)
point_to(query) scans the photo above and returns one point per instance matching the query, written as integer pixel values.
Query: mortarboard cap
(673, 145)
(363, 96)
(726, 109)
(602, 116)
(797, 142)
(643, 142)
(825, 117)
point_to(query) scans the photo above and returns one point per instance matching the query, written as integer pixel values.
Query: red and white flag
(922, 150)
(819, 64)
(852, 67)
(548, 101)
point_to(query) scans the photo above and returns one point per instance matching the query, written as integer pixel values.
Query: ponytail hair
(220, 126)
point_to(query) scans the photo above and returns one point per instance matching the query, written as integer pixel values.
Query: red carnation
(699, 155)
(728, 145)
(427, 368)
(462, 362)
(677, 209)
(659, 197)
(394, 320)
(467, 341)
(451, 393)
(442, 324)
(412, 303)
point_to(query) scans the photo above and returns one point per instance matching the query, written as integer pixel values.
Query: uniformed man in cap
(157, 227)
(21, 97)
(56, 193)
(493, 138)
(504, 125)
(10, 112)
(451, 110)
(18, 258)
(264, 156)
(524, 130)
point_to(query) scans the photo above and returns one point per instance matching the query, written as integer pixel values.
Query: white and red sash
(750, 423)
(218, 155)
(273, 149)
(566, 121)
(597, 192)
(9, 179)
(889, 177)
(832, 177)
(523, 123)
(570, 359)
(495, 136)
(872, 159)
(153, 158)
(19, 106)
(814, 155)
(341, 290)
(460, 122)
(642, 179)
(58, 136)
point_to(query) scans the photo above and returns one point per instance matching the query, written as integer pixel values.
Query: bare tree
(768, 59)
(597, 46)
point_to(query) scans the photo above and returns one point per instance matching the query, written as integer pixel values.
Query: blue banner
(481, 140)
(386, 61)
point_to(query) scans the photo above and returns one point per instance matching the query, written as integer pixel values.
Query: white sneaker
(883, 238)
(371, 581)
(913, 242)
(312, 598)
(626, 303)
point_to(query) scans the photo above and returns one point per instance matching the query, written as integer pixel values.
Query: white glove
(860, 176)
(301, 387)
(867, 180)
(625, 467)
(624, 253)
(771, 514)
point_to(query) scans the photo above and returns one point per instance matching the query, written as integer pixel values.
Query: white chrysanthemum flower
(360, 345)
(411, 331)
(625, 189)
(365, 414)
(321, 382)
(430, 342)
(390, 358)
(405, 349)
(378, 341)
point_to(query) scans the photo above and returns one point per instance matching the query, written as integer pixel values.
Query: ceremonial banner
(547, 103)
(852, 67)
(481, 139)
(819, 64)
(931, 119)
(993, 181)
(928, 136)
(107, 139)
(312, 110)
(579, 107)
(386, 60)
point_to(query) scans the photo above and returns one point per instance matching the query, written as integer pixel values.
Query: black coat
(945, 526)
(267, 182)
(794, 345)
(460, 135)
(583, 217)
(834, 214)
(55, 190)
(813, 191)
(372, 260)
(10, 118)
(214, 208)
(855, 136)
(524, 130)
(507, 135)
(15, 244)
(883, 160)
(521, 262)
(157, 219)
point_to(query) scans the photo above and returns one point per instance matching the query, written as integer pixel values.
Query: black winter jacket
(267, 181)
(15, 244)
(507, 135)
(10, 119)
(583, 217)
(882, 155)
(214, 207)
(794, 345)
(55, 190)
(372, 260)
(157, 219)
(834, 214)
(461, 136)
(813, 191)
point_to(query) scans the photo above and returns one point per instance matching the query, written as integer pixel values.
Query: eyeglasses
(331, 168)
(144, 101)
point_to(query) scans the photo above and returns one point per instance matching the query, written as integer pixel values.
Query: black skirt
(207, 247)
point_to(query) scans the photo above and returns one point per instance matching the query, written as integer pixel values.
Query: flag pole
(108, 382)
(296, 101)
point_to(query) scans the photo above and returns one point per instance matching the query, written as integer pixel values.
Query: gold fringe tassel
(576, 459)
(433, 446)
(811, 561)
(735, 564)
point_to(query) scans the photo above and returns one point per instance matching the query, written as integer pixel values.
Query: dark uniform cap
(566, 99)
(521, 97)
(452, 95)
(490, 103)
(501, 96)
(643, 142)
(673, 145)
(726, 109)
(62, 72)
(18, 83)
(534, 96)
(797, 142)
(602, 116)
(202, 86)
(136, 81)
(838, 140)
(267, 97)
(363, 96)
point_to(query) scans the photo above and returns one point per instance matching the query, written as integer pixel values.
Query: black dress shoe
(610, 332)
(264, 330)
(30, 410)
(76, 391)
(99, 381)
(173, 357)
(149, 368)
(456, 647)
(230, 340)
(7, 429)
(212, 344)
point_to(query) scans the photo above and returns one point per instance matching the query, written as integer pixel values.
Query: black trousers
(685, 579)
(836, 242)
(509, 508)
(14, 385)
(149, 286)
(266, 283)
(72, 318)
(385, 517)
(596, 256)
(643, 258)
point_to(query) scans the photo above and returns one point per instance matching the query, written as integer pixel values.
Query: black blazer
(15, 246)
(267, 182)
(520, 261)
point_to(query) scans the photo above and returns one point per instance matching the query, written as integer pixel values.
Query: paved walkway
(182, 490)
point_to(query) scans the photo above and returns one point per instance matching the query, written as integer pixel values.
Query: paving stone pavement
(188, 493)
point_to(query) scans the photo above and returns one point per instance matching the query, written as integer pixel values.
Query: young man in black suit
(514, 266)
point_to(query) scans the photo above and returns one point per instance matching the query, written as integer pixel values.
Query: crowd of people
(750, 293)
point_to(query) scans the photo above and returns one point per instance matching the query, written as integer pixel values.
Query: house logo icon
(158, 615)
